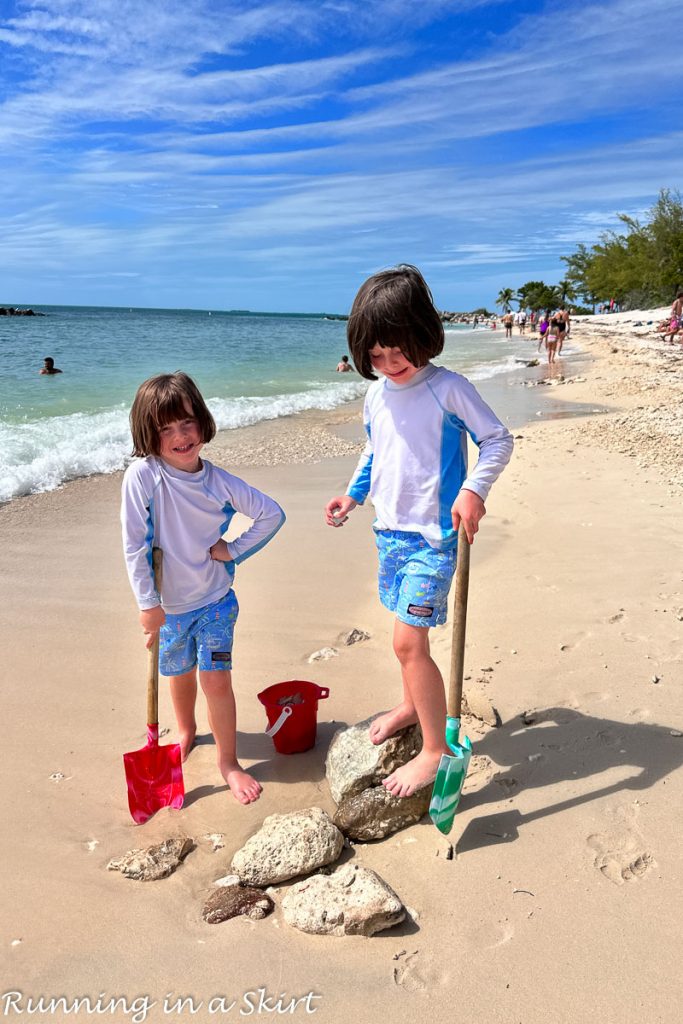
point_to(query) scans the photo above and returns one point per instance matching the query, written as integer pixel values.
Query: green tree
(641, 265)
(505, 299)
(537, 295)
(666, 230)
(578, 265)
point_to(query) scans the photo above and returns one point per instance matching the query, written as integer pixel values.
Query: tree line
(640, 266)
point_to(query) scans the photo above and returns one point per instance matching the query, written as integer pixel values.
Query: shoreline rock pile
(11, 311)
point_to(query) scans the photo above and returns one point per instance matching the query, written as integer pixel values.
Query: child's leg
(425, 686)
(403, 714)
(220, 702)
(183, 695)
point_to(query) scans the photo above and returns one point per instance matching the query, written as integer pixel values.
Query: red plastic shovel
(154, 774)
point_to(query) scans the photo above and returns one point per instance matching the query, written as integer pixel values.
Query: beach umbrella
(154, 774)
(450, 776)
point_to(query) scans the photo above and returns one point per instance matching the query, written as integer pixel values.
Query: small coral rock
(233, 900)
(288, 845)
(155, 862)
(350, 901)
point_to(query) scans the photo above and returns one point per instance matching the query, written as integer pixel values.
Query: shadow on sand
(561, 745)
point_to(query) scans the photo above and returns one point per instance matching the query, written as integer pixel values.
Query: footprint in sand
(417, 974)
(490, 935)
(621, 854)
(480, 771)
(506, 782)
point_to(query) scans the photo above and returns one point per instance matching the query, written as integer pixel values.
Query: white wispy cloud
(138, 136)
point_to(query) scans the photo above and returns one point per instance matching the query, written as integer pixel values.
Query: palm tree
(505, 297)
(567, 289)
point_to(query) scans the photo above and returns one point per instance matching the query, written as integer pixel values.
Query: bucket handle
(284, 715)
(323, 692)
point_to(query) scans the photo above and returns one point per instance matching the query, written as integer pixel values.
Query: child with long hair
(183, 504)
(414, 468)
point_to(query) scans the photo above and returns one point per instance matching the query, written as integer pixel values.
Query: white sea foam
(242, 412)
(42, 454)
(39, 455)
(484, 371)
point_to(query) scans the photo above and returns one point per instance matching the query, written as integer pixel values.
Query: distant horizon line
(224, 312)
(168, 309)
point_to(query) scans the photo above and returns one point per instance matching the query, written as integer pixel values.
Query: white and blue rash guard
(415, 459)
(184, 514)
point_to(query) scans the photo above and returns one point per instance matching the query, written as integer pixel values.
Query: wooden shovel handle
(462, 582)
(153, 654)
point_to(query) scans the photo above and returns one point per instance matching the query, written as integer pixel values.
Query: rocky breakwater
(11, 311)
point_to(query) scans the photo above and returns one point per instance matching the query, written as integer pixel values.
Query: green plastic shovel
(453, 767)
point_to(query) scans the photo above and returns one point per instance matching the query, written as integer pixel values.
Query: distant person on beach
(563, 328)
(558, 325)
(674, 325)
(543, 328)
(508, 321)
(414, 467)
(344, 366)
(181, 503)
(49, 368)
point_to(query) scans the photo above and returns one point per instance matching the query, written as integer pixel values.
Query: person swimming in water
(49, 368)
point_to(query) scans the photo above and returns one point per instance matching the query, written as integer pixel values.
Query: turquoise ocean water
(248, 366)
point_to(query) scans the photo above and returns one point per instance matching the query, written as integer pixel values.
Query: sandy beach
(563, 897)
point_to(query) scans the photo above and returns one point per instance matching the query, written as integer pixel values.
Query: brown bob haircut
(161, 400)
(394, 309)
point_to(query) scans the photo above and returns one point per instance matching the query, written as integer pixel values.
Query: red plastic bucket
(292, 710)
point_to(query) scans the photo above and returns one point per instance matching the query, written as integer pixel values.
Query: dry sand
(563, 900)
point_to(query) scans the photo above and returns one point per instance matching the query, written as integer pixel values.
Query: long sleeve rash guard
(184, 514)
(415, 459)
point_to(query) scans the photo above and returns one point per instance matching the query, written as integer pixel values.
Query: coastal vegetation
(640, 266)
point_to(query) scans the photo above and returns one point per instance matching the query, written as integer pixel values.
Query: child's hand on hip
(337, 510)
(151, 620)
(470, 509)
(220, 551)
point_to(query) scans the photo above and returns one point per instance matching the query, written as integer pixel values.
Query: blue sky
(270, 155)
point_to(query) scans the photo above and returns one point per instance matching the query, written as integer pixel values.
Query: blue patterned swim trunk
(414, 578)
(201, 638)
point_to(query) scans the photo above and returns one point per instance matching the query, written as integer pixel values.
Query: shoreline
(565, 862)
(313, 434)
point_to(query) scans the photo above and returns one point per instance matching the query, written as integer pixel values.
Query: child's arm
(469, 508)
(267, 518)
(337, 510)
(495, 445)
(151, 620)
(138, 531)
(220, 552)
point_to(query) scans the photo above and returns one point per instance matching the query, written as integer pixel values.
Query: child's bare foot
(388, 724)
(186, 741)
(412, 776)
(243, 787)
